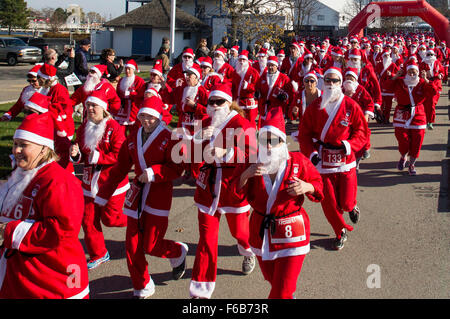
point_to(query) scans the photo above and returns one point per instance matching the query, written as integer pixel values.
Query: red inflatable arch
(419, 8)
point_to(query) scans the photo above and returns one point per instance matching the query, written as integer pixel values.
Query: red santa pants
(387, 106)
(205, 264)
(339, 190)
(430, 107)
(111, 215)
(251, 114)
(147, 237)
(409, 141)
(282, 274)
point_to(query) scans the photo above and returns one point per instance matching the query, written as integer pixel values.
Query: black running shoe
(354, 215)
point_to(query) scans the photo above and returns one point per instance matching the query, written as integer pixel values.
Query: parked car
(14, 50)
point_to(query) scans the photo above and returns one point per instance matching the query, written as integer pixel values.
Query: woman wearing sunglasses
(276, 187)
(305, 97)
(227, 140)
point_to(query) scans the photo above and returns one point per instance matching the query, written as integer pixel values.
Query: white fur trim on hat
(129, 65)
(412, 66)
(97, 101)
(217, 93)
(150, 111)
(96, 71)
(45, 76)
(274, 130)
(32, 137)
(352, 74)
(243, 57)
(331, 70)
(36, 107)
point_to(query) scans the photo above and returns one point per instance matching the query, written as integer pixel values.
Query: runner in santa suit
(260, 65)
(274, 88)
(228, 138)
(411, 91)
(191, 100)
(337, 59)
(209, 77)
(97, 146)
(387, 93)
(149, 198)
(222, 67)
(375, 57)
(41, 256)
(333, 128)
(280, 55)
(308, 65)
(176, 76)
(233, 56)
(291, 65)
(435, 74)
(244, 85)
(397, 57)
(96, 82)
(421, 53)
(445, 58)
(61, 105)
(303, 98)
(157, 87)
(322, 57)
(130, 90)
(276, 188)
(359, 94)
(26, 93)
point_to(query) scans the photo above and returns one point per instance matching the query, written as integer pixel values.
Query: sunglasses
(328, 80)
(430, 54)
(310, 81)
(274, 141)
(32, 80)
(217, 102)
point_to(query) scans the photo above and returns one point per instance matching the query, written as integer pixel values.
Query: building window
(320, 17)
(186, 35)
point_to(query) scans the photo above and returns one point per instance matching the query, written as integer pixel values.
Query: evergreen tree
(13, 14)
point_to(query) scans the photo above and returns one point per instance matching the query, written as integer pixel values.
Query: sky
(106, 8)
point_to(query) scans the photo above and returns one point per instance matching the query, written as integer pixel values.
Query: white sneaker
(248, 264)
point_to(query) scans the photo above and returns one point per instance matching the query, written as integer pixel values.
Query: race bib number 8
(289, 230)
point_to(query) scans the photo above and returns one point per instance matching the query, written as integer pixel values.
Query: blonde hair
(235, 107)
(50, 155)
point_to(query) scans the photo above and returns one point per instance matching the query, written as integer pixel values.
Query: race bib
(288, 230)
(332, 158)
(202, 178)
(132, 194)
(87, 175)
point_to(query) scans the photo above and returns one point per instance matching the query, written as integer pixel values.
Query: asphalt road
(398, 250)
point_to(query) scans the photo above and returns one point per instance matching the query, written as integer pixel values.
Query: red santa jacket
(289, 68)
(214, 190)
(60, 100)
(381, 72)
(344, 126)
(154, 157)
(17, 107)
(279, 94)
(410, 111)
(433, 73)
(257, 67)
(291, 222)
(364, 100)
(97, 168)
(162, 94)
(211, 79)
(368, 79)
(244, 88)
(41, 256)
(176, 77)
(299, 100)
(227, 72)
(114, 102)
(131, 101)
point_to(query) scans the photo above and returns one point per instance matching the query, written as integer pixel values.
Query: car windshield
(14, 42)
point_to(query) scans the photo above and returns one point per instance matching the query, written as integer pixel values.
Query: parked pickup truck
(14, 50)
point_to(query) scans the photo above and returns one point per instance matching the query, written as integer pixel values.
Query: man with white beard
(435, 73)
(222, 67)
(276, 187)
(444, 53)
(333, 128)
(244, 86)
(411, 92)
(96, 82)
(97, 146)
(396, 55)
(176, 76)
(261, 64)
(130, 90)
(280, 55)
(421, 53)
(25, 95)
(231, 141)
(387, 93)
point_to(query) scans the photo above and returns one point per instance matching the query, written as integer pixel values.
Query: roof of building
(338, 6)
(156, 14)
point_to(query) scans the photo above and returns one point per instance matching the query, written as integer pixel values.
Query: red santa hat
(307, 54)
(244, 55)
(222, 90)
(386, 51)
(262, 52)
(354, 39)
(100, 69)
(206, 61)
(337, 51)
(98, 97)
(310, 74)
(334, 70)
(272, 60)
(296, 45)
(353, 72)
(34, 70)
(38, 102)
(189, 52)
(221, 51)
(157, 68)
(412, 64)
(354, 54)
(195, 69)
(37, 128)
(132, 64)
(281, 53)
(47, 71)
(235, 48)
(274, 123)
(152, 106)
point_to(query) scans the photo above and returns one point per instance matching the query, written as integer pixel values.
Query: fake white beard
(190, 92)
(27, 93)
(126, 82)
(186, 64)
(271, 78)
(241, 68)
(155, 86)
(93, 133)
(352, 64)
(395, 57)
(412, 51)
(422, 54)
(218, 63)
(233, 61)
(218, 114)
(262, 63)
(330, 94)
(91, 82)
(386, 62)
(430, 60)
(350, 86)
(272, 159)
(411, 80)
(12, 189)
(306, 68)
(321, 55)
